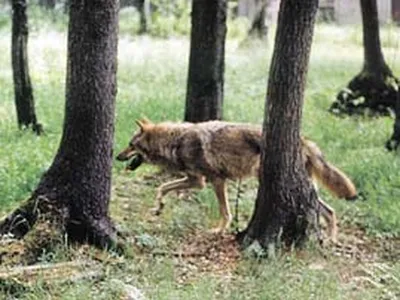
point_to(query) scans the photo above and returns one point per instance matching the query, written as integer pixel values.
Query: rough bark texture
(75, 191)
(286, 202)
(259, 26)
(205, 86)
(375, 83)
(24, 100)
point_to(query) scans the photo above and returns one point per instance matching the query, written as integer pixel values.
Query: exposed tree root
(292, 235)
(21, 220)
(37, 128)
(367, 94)
(39, 226)
(47, 232)
(394, 142)
(39, 236)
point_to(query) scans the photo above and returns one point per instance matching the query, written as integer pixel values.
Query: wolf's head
(139, 142)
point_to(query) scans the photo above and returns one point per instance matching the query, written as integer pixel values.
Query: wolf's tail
(326, 174)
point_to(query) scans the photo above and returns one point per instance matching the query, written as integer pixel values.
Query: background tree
(73, 195)
(286, 202)
(24, 100)
(48, 4)
(375, 83)
(259, 26)
(205, 85)
(145, 15)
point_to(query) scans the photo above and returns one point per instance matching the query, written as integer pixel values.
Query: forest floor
(173, 256)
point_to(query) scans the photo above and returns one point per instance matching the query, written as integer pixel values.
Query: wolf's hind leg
(221, 192)
(186, 182)
(329, 214)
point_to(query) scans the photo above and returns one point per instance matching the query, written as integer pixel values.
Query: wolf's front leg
(187, 182)
(220, 189)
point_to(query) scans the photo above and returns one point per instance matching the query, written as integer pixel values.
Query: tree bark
(286, 204)
(145, 16)
(24, 100)
(74, 193)
(259, 26)
(376, 82)
(205, 85)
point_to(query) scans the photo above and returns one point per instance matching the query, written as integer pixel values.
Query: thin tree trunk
(373, 56)
(74, 193)
(24, 100)
(376, 82)
(145, 16)
(286, 202)
(205, 85)
(259, 26)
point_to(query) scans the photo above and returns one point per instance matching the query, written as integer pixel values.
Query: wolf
(217, 151)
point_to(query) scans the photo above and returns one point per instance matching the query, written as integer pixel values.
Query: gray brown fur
(218, 151)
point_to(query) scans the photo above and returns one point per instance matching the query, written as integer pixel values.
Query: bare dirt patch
(204, 252)
(360, 260)
(356, 244)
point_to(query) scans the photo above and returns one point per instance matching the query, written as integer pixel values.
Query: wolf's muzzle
(125, 155)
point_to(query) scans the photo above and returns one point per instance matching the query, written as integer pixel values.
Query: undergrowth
(152, 83)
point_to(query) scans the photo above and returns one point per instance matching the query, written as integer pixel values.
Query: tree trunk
(66, 6)
(286, 205)
(145, 16)
(376, 83)
(394, 142)
(205, 86)
(259, 26)
(74, 193)
(24, 100)
(48, 4)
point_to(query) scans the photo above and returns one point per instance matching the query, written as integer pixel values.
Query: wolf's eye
(131, 144)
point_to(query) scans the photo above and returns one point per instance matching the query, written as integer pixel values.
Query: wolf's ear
(143, 123)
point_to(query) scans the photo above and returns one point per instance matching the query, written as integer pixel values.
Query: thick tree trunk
(259, 26)
(286, 205)
(376, 83)
(24, 100)
(205, 86)
(75, 191)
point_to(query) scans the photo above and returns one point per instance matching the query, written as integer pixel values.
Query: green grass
(152, 82)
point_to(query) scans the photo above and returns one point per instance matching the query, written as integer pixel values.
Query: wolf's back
(231, 150)
(326, 174)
